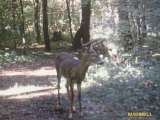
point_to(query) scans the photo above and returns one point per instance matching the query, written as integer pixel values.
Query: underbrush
(11, 57)
(125, 87)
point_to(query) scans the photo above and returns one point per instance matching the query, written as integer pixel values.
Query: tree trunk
(45, 25)
(22, 19)
(37, 20)
(84, 31)
(23, 28)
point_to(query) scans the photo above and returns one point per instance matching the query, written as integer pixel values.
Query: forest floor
(28, 91)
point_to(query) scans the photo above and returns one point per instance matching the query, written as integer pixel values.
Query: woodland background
(33, 31)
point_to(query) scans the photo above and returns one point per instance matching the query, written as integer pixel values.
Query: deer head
(92, 56)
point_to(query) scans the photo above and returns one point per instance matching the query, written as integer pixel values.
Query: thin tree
(22, 31)
(124, 25)
(69, 17)
(14, 21)
(37, 20)
(45, 25)
(143, 21)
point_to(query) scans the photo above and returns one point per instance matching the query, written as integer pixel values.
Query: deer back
(68, 65)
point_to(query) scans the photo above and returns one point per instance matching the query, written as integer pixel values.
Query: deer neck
(83, 67)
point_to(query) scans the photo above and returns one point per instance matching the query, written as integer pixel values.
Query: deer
(74, 71)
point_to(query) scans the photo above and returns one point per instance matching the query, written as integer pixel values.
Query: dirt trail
(28, 92)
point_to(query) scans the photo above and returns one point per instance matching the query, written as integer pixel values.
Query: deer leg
(68, 90)
(71, 97)
(79, 98)
(59, 81)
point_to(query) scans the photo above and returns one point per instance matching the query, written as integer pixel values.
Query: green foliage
(10, 22)
(66, 37)
(64, 43)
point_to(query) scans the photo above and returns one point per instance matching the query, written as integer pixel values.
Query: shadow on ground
(30, 93)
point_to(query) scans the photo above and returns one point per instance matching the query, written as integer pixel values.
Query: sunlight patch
(30, 91)
(33, 95)
(17, 90)
(43, 71)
